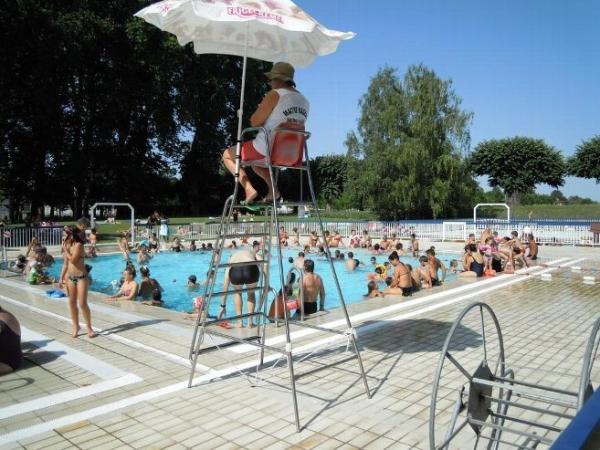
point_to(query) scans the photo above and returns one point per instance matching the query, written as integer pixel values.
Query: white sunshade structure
(270, 30)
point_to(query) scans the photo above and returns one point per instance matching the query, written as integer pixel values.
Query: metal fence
(567, 234)
(21, 237)
(549, 234)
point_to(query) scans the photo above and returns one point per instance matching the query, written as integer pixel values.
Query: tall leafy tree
(330, 174)
(99, 105)
(586, 161)
(406, 158)
(518, 164)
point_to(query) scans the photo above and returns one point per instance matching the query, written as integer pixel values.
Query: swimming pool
(172, 270)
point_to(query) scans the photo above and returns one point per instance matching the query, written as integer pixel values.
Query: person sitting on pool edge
(401, 279)
(11, 355)
(313, 287)
(282, 104)
(434, 265)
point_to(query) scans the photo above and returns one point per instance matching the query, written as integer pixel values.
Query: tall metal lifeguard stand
(287, 150)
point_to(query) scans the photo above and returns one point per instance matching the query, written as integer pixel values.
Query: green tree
(99, 105)
(494, 196)
(406, 158)
(330, 174)
(557, 197)
(518, 164)
(586, 161)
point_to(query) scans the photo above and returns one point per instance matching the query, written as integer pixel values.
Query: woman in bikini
(401, 279)
(75, 275)
(129, 288)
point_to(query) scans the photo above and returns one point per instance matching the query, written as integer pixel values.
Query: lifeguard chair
(287, 149)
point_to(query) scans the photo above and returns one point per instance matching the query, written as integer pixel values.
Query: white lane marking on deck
(33, 430)
(361, 317)
(67, 396)
(101, 369)
(129, 342)
(113, 312)
(112, 376)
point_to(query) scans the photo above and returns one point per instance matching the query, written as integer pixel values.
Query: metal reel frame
(586, 389)
(475, 396)
(478, 403)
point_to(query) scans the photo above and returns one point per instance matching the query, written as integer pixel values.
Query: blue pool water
(172, 270)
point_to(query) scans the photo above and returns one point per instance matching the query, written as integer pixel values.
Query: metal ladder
(205, 325)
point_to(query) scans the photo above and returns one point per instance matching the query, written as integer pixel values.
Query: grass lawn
(557, 211)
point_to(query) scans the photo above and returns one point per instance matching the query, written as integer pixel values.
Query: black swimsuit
(10, 347)
(477, 268)
(310, 307)
(240, 275)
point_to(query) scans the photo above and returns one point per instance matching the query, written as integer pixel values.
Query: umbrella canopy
(270, 30)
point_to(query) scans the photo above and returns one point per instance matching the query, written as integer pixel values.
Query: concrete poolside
(128, 387)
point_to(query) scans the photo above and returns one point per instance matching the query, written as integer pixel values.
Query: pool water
(172, 269)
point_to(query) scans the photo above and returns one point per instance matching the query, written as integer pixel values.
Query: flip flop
(250, 207)
(225, 325)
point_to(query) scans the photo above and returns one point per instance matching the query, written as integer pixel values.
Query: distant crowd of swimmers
(486, 256)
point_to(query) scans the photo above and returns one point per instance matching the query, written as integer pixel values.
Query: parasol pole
(240, 111)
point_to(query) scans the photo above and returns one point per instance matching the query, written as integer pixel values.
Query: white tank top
(292, 107)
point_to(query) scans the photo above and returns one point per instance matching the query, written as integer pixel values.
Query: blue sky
(529, 68)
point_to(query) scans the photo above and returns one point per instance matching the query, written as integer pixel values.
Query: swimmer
(299, 261)
(148, 286)
(352, 263)
(129, 287)
(454, 266)
(373, 290)
(192, 285)
(143, 256)
(156, 299)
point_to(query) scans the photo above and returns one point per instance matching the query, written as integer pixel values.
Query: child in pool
(454, 266)
(373, 290)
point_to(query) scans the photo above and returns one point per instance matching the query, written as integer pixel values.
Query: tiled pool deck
(128, 387)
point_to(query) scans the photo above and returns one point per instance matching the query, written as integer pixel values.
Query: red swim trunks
(249, 153)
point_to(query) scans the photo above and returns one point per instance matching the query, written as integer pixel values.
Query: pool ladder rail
(281, 140)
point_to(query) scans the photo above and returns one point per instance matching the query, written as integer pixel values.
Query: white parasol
(270, 30)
